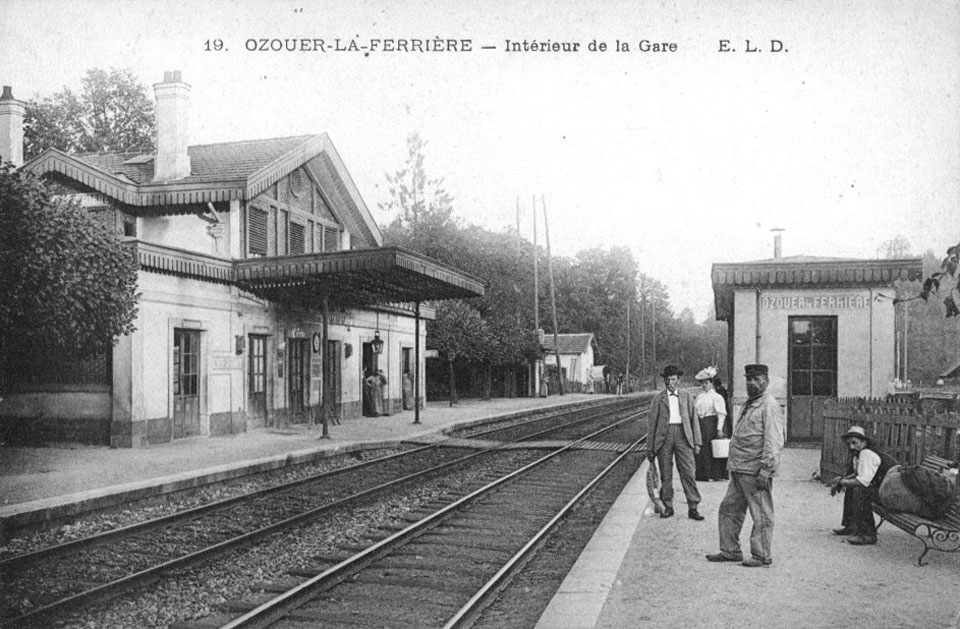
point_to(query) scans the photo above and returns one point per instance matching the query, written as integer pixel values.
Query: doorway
(297, 376)
(812, 367)
(186, 383)
(257, 379)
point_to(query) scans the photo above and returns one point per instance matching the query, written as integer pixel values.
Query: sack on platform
(896, 496)
(721, 448)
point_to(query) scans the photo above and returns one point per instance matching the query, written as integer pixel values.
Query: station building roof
(806, 272)
(219, 173)
(568, 343)
(241, 170)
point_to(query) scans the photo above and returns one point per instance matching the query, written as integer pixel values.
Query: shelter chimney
(776, 242)
(11, 127)
(173, 96)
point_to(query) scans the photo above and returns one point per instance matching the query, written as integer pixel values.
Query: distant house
(576, 357)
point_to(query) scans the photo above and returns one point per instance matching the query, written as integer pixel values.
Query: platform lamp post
(416, 362)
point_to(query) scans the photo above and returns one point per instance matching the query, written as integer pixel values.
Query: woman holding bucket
(711, 410)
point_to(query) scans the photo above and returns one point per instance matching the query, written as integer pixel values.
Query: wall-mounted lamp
(377, 344)
(238, 344)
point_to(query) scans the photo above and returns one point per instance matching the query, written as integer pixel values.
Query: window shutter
(331, 239)
(296, 238)
(257, 239)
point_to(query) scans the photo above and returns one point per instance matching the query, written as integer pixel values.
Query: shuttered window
(331, 239)
(296, 238)
(257, 232)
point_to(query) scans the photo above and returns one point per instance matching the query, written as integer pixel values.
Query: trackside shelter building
(824, 326)
(266, 293)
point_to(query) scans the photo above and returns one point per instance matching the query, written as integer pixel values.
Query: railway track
(443, 569)
(89, 570)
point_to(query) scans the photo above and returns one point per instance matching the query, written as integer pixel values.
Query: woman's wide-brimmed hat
(707, 373)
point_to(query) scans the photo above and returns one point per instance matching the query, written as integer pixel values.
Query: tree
(898, 247)
(931, 285)
(68, 285)
(112, 113)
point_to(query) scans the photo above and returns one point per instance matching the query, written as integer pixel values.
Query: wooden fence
(904, 429)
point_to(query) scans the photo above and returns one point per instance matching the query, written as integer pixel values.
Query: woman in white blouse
(711, 413)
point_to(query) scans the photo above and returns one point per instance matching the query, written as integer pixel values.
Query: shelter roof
(806, 272)
(568, 343)
(355, 278)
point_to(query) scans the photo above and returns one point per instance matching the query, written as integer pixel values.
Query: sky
(846, 137)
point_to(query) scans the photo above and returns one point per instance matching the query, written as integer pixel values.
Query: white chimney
(777, 248)
(11, 127)
(172, 161)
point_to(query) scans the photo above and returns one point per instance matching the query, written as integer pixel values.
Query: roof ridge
(285, 137)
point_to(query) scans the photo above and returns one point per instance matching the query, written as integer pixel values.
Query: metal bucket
(721, 448)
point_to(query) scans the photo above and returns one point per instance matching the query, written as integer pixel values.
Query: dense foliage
(594, 291)
(67, 283)
(111, 113)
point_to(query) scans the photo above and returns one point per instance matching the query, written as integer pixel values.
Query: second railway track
(86, 571)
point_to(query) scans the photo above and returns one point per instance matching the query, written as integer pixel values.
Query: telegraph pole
(553, 295)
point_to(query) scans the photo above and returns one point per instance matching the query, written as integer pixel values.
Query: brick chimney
(173, 96)
(11, 127)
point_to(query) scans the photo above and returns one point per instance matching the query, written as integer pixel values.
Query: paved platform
(38, 484)
(643, 571)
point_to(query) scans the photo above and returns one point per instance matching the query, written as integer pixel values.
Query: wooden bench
(942, 534)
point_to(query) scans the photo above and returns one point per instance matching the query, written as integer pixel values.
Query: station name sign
(814, 302)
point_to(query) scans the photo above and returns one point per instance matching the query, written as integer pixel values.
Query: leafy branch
(931, 285)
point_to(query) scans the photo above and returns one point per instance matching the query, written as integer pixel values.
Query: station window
(256, 231)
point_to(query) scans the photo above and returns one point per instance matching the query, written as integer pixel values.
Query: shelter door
(812, 366)
(297, 375)
(257, 385)
(186, 383)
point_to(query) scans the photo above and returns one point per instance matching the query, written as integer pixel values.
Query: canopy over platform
(357, 277)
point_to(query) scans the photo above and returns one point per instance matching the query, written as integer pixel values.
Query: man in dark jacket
(673, 432)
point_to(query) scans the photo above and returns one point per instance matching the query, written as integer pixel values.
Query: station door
(812, 366)
(257, 379)
(186, 383)
(297, 375)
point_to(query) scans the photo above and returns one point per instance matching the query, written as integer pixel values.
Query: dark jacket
(659, 418)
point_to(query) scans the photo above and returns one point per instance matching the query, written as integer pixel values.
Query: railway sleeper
(363, 620)
(390, 598)
(442, 564)
(437, 580)
(279, 585)
(427, 552)
(483, 542)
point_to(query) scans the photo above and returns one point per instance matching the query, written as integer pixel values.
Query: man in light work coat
(674, 432)
(755, 446)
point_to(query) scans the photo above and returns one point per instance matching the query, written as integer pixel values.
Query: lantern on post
(377, 343)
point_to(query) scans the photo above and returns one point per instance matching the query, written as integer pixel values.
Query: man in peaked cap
(754, 457)
(673, 432)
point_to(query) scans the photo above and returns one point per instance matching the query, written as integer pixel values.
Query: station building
(825, 327)
(576, 353)
(266, 293)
